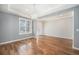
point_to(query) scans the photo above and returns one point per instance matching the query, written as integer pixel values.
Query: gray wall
(9, 27)
(76, 26)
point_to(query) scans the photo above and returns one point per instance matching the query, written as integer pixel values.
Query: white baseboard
(58, 36)
(16, 40)
(76, 48)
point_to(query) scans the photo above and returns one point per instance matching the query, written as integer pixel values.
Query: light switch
(77, 30)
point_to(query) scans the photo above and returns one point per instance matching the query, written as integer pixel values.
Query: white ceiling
(59, 16)
(35, 10)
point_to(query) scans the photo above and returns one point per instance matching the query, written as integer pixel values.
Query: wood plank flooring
(42, 45)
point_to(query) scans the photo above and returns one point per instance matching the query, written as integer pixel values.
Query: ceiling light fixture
(26, 10)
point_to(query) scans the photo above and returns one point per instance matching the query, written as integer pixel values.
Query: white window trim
(20, 33)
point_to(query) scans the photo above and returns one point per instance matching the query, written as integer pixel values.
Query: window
(25, 26)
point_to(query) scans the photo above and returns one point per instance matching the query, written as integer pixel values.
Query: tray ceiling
(34, 10)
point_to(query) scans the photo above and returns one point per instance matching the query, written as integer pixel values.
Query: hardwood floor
(42, 45)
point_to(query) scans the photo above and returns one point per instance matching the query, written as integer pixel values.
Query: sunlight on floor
(25, 49)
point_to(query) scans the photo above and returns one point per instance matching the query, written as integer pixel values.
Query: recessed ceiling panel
(37, 10)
